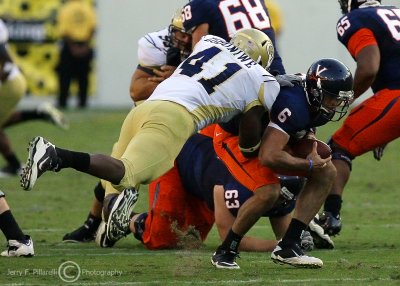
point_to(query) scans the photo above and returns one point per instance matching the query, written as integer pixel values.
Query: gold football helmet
(180, 38)
(256, 44)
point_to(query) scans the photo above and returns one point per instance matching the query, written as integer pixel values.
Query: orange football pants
(172, 211)
(249, 172)
(371, 124)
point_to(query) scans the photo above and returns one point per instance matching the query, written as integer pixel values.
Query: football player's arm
(224, 221)
(200, 31)
(363, 47)
(368, 61)
(162, 74)
(273, 155)
(141, 87)
(250, 131)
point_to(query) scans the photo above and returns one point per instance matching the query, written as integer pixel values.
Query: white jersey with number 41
(218, 81)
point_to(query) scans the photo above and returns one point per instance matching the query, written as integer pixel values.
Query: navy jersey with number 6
(291, 114)
(384, 23)
(226, 17)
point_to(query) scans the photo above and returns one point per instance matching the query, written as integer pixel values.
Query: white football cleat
(321, 240)
(293, 255)
(18, 248)
(54, 115)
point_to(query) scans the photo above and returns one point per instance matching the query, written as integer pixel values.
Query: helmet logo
(320, 70)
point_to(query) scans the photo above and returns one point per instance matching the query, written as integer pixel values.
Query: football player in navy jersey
(324, 96)
(223, 18)
(370, 32)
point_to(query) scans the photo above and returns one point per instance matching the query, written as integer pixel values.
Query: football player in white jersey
(159, 53)
(12, 88)
(218, 81)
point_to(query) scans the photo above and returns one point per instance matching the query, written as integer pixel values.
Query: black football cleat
(225, 259)
(332, 225)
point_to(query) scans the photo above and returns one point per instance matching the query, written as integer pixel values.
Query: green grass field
(367, 252)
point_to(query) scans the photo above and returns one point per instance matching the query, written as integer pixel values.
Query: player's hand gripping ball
(302, 147)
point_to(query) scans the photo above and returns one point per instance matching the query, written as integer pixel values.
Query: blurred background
(308, 33)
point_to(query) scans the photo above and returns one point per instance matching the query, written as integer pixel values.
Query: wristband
(310, 165)
(251, 149)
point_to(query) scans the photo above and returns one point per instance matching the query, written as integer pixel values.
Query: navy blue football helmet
(329, 88)
(348, 5)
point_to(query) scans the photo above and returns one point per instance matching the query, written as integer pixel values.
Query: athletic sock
(333, 204)
(92, 223)
(294, 232)
(231, 242)
(70, 159)
(10, 227)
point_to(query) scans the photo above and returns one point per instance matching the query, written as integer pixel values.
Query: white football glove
(307, 242)
(289, 79)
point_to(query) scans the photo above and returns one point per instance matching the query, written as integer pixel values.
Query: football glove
(173, 57)
(307, 242)
(289, 79)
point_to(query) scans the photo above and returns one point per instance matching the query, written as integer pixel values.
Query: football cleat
(53, 115)
(321, 240)
(293, 255)
(42, 157)
(225, 259)
(120, 214)
(332, 225)
(18, 248)
(101, 237)
(81, 234)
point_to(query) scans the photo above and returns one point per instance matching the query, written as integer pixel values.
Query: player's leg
(370, 125)
(249, 213)
(44, 111)
(11, 92)
(308, 203)
(19, 244)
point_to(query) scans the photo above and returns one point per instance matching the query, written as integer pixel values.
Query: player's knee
(340, 154)
(268, 194)
(99, 192)
(291, 186)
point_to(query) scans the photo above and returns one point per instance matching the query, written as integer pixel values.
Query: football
(301, 148)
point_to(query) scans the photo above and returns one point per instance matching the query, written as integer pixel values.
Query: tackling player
(370, 33)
